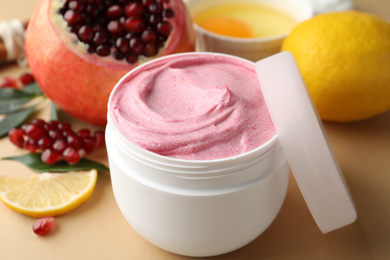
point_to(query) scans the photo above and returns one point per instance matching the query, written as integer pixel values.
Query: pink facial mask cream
(194, 107)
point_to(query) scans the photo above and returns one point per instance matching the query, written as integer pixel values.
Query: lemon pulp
(245, 20)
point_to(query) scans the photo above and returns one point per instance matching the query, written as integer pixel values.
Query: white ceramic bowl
(252, 49)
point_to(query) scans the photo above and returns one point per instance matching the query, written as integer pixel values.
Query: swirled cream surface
(195, 106)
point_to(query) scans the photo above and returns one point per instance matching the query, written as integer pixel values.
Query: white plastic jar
(196, 207)
(211, 207)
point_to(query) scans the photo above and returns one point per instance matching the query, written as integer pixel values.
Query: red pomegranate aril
(147, 2)
(73, 17)
(122, 45)
(26, 78)
(154, 19)
(131, 58)
(150, 50)
(155, 8)
(118, 55)
(30, 145)
(43, 225)
(9, 82)
(71, 155)
(76, 6)
(149, 36)
(89, 144)
(39, 122)
(60, 145)
(168, 13)
(55, 134)
(164, 28)
(63, 126)
(134, 24)
(137, 45)
(92, 10)
(50, 156)
(114, 12)
(103, 50)
(33, 131)
(16, 137)
(134, 9)
(99, 139)
(74, 141)
(100, 38)
(115, 28)
(45, 142)
(86, 33)
(84, 133)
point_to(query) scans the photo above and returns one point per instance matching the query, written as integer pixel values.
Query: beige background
(97, 229)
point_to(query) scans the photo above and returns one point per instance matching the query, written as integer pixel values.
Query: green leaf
(33, 161)
(32, 89)
(53, 112)
(14, 119)
(10, 93)
(10, 105)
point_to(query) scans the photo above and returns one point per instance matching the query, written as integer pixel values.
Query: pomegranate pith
(76, 60)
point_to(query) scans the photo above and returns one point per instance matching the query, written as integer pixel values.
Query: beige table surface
(97, 230)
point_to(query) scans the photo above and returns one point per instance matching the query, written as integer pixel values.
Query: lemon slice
(47, 194)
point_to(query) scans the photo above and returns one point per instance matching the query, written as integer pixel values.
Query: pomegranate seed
(156, 8)
(131, 58)
(154, 19)
(45, 142)
(86, 33)
(115, 28)
(76, 6)
(118, 55)
(168, 13)
(150, 50)
(30, 145)
(73, 17)
(60, 145)
(43, 225)
(74, 141)
(55, 134)
(33, 131)
(50, 156)
(99, 139)
(137, 45)
(134, 9)
(113, 19)
(26, 78)
(39, 122)
(122, 45)
(149, 36)
(114, 12)
(147, 3)
(89, 144)
(9, 82)
(103, 50)
(164, 28)
(100, 38)
(63, 126)
(16, 137)
(92, 10)
(71, 155)
(84, 133)
(134, 24)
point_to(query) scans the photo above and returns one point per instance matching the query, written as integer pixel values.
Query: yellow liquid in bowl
(245, 20)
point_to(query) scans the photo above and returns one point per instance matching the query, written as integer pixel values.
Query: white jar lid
(300, 132)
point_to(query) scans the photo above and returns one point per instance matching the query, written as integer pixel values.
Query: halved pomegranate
(78, 49)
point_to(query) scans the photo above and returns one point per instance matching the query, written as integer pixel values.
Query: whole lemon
(344, 58)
